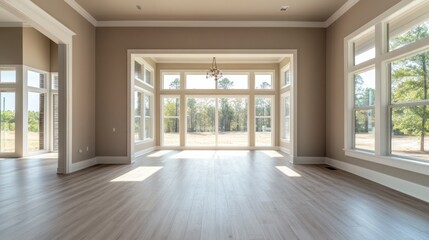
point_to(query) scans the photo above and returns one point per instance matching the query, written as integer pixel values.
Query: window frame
(282, 123)
(145, 67)
(273, 80)
(381, 62)
(283, 71)
(163, 117)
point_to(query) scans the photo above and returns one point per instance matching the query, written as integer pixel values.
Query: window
(143, 72)
(286, 76)
(171, 118)
(143, 121)
(7, 121)
(201, 127)
(199, 81)
(170, 81)
(263, 80)
(232, 122)
(285, 119)
(364, 47)
(409, 27)
(364, 95)
(7, 75)
(263, 121)
(36, 121)
(388, 98)
(35, 79)
(233, 81)
(54, 81)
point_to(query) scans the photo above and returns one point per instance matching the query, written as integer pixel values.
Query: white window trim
(381, 60)
(145, 66)
(284, 69)
(282, 96)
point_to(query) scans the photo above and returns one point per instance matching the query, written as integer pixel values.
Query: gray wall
(11, 46)
(112, 45)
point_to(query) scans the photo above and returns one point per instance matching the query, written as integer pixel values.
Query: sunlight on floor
(272, 154)
(137, 175)
(287, 171)
(195, 154)
(44, 156)
(159, 153)
(231, 153)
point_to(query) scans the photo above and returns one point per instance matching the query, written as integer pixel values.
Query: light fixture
(214, 72)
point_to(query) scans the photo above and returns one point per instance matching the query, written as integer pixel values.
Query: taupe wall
(36, 49)
(363, 12)
(11, 46)
(112, 45)
(54, 56)
(83, 76)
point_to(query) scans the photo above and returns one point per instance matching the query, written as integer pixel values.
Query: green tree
(409, 81)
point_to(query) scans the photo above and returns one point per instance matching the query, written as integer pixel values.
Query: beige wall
(83, 84)
(363, 12)
(54, 57)
(112, 45)
(11, 46)
(36, 49)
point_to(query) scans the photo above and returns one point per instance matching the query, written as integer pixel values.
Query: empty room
(214, 119)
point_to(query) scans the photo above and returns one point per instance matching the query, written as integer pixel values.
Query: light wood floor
(202, 195)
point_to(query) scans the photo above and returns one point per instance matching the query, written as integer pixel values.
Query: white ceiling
(211, 10)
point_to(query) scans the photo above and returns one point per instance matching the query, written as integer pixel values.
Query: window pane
(138, 125)
(171, 81)
(147, 106)
(7, 101)
(199, 82)
(148, 77)
(171, 107)
(171, 132)
(286, 78)
(263, 81)
(263, 106)
(138, 71)
(7, 76)
(409, 27)
(36, 121)
(232, 122)
(201, 122)
(55, 121)
(365, 129)
(408, 78)
(409, 132)
(233, 81)
(364, 84)
(286, 118)
(54, 83)
(364, 47)
(148, 128)
(35, 79)
(263, 135)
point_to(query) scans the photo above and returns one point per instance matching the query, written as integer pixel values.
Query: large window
(285, 117)
(7, 121)
(201, 119)
(387, 101)
(143, 116)
(7, 75)
(171, 118)
(263, 121)
(36, 111)
(232, 121)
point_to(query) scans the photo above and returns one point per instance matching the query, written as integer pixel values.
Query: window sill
(140, 142)
(397, 162)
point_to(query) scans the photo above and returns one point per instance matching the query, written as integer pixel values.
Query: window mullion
(381, 99)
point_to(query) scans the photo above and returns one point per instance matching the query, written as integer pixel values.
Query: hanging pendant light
(214, 72)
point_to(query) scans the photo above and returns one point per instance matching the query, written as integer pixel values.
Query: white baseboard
(406, 187)
(308, 160)
(83, 164)
(113, 160)
(145, 151)
(283, 149)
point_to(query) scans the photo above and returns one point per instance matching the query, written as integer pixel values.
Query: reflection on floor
(202, 195)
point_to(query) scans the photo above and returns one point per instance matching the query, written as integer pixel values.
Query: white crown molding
(82, 11)
(276, 24)
(340, 12)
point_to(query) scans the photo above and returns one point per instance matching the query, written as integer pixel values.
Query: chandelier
(214, 72)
